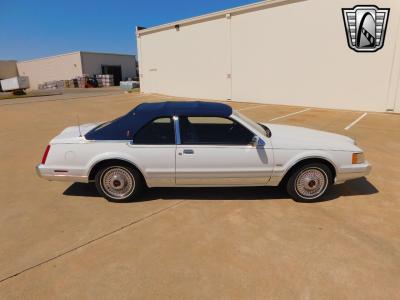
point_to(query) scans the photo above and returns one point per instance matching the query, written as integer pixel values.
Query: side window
(213, 131)
(157, 132)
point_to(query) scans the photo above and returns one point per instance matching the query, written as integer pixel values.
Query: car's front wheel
(118, 183)
(309, 183)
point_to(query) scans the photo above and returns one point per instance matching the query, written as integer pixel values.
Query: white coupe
(193, 144)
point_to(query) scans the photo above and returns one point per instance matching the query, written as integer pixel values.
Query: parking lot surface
(58, 95)
(62, 241)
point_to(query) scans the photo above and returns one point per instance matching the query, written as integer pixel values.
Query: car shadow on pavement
(357, 187)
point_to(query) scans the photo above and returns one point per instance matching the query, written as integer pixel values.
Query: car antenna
(79, 126)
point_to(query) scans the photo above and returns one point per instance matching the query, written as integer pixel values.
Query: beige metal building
(8, 69)
(71, 65)
(292, 52)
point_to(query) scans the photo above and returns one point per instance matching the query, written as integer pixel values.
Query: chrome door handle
(188, 151)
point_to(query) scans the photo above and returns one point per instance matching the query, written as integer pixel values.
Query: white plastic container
(128, 85)
(15, 83)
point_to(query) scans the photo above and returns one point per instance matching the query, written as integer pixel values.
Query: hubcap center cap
(312, 183)
(118, 182)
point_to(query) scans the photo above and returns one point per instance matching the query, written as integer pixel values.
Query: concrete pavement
(62, 241)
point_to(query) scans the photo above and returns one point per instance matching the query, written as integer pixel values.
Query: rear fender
(112, 156)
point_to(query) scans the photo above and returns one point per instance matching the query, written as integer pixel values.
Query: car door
(153, 149)
(215, 151)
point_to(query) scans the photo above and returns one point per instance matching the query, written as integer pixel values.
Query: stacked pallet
(60, 84)
(51, 85)
(74, 83)
(99, 82)
(82, 81)
(129, 85)
(105, 80)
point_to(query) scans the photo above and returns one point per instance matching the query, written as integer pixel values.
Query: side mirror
(257, 142)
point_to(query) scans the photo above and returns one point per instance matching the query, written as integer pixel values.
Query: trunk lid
(72, 134)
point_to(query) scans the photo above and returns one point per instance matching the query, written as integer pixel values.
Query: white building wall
(190, 62)
(60, 67)
(396, 96)
(292, 52)
(92, 62)
(394, 89)
(297, 54)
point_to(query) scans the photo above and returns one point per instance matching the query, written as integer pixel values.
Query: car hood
(74, 134)
(292, 137)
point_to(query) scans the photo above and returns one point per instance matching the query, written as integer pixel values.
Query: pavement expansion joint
(93, 240)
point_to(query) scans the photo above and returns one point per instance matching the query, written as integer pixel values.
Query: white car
(193, 144)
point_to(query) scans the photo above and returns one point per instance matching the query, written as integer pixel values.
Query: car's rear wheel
(309, 183)
(118, 183)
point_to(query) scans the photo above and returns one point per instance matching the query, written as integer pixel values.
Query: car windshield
(259, 127)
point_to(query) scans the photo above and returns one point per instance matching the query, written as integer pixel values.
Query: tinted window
(157, 132)
(213, 131)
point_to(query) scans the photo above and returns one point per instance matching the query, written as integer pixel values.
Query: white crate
(15, 83)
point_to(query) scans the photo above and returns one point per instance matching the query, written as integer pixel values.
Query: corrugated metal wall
(92, 62)
(8, 69)
(69, 66)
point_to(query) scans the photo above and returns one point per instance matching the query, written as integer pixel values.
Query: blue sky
(31, 29)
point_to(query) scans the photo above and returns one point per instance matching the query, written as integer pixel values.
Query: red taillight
(46, 152)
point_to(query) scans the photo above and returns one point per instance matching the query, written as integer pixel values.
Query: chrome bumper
(50, 174)
(352, 172)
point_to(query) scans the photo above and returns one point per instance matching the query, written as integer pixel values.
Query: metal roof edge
(72, 53)
(218, 14)
(106, 53)
(47, 57)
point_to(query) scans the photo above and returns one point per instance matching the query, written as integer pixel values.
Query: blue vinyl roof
(195, 108)
(126, 126)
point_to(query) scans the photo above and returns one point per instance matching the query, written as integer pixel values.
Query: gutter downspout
(229, 60)
(393, 94)
(140, 59)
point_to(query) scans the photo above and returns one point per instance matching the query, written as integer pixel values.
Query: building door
(116, 71)
(150, 84)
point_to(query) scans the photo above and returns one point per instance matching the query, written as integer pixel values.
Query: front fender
(286, 159)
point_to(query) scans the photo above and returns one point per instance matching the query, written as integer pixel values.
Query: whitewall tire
(309, 183)
(118, 183)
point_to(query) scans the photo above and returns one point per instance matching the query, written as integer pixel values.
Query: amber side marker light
(358, 158)
(46, 152)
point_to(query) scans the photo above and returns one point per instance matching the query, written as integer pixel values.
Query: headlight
(358, 158)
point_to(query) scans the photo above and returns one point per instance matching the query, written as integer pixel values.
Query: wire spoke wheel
(311, 183)
(117, 182)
